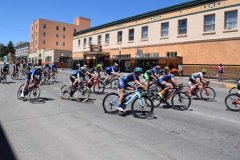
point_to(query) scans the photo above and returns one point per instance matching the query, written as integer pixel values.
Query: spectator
(180, 69)
(220, 70)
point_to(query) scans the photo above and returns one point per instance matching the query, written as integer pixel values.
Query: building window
(107, 39)
(131, 35)
(171, 54)
(36, 33)
(84, 42)
(119, 36)
(182, 26)
(209, 23)
(56, 43)
(57, 35)
(164, 29)
(64, 36)
(44, 34)
(63, 43)
(44, 26)
(90, 41)
(57, 28)
(231, 19)
(64, 29)
(79, 42)
(145, 33)
(99, 39)
(75, 30)
(44, 42)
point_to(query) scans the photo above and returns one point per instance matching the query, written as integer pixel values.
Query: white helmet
(85, 65)
(115, 64)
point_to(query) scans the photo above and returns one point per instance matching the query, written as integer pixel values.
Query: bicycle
(113, 82)
(179, 100)
(3, 77)
(206, 93)
(48, 78)
(32, 92)
(232, 102)
(138, 108)
(15, 76)
(97, 85)
(83, 92)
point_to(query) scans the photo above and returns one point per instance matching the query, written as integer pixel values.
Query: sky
(16, 16)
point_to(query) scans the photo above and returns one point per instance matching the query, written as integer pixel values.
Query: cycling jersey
(111, 69)
(34, 73)
(165, 78)
(77, 74)
(53, 67)
(197, 75)
(147, 75)
(123, 82)
(6, 68)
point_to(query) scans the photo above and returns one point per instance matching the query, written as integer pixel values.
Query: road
(56, 129)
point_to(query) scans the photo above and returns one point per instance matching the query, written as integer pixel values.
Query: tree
(10, 47)
(3, 50)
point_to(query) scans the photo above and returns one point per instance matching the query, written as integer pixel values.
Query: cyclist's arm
(139, 84)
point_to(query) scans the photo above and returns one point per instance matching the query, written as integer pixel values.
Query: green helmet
(166, 68)
(204, 70)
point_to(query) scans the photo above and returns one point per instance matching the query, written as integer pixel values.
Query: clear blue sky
(17, 15)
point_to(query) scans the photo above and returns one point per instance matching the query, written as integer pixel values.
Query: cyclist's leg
(122, 86)
(165, 87)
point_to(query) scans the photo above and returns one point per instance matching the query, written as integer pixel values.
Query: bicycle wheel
(65, 91)
(98, 87)
(208, 94)
(114, 84)
(34, 94)
(54, 78)
(181, 101)
(232, 102)
(110, 103)
(142, 108)
(20, 91)
(233, 90)
(83, 94)
(156, 99)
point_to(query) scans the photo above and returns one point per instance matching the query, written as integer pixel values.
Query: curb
(229, 86)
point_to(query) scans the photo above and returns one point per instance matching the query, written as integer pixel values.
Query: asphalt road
(56, 129)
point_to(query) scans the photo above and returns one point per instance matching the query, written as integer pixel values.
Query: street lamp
(62, 60)
(119, 60)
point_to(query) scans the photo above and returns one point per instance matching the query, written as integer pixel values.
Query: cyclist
(166, 82)
(16, 68)
(156, 72)
(111, 71)
(4, 70)
(99, 68)
(32, 76)
(197, 78)
(52, 70)
(123, 85)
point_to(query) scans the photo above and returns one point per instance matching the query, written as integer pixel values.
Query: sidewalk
(224, 84)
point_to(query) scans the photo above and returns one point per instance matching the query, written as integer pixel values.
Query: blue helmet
(138, 70)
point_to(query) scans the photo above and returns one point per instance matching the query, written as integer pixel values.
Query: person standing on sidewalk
(220, 70)
(180, 69)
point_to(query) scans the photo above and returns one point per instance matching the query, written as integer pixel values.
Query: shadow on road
(6, 152)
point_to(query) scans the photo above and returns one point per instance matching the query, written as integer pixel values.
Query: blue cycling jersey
(130, 77)
(34, 72)
(167, 77)
(53, 67)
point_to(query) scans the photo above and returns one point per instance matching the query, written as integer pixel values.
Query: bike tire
(65, 91)
(229, 102)
(210, 96)
(20, 91)
(156, 99)
(110, 103)
(146, 110)
(34, 94)
(233, 90)
(114, 84)
(98, 88)
(181, 101)
(83, 94)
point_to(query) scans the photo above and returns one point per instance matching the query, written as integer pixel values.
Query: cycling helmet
(166, 68)
(85, 66)
(204, 70)
(138, 70)
(115, 64)
(78, 66)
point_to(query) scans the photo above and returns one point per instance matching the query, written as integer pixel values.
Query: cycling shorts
(122, 84)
